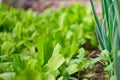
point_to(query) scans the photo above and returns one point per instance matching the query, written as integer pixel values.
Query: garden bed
(25, 39)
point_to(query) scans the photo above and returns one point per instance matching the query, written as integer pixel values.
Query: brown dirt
(99, 67)
(41, 5)
(98, 70)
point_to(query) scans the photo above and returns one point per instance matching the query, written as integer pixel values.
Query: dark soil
(98, 68)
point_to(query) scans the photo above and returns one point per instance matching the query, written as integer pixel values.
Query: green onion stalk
(108, 33)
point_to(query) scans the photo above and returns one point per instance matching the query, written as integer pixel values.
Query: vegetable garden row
(58, 45)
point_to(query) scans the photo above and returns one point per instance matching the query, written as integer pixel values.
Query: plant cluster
(45, 46)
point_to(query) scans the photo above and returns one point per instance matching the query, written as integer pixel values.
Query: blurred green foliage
(41, 46)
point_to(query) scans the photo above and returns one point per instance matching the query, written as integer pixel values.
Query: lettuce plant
(40, 46)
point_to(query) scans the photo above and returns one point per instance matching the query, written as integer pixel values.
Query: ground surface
(40, 5)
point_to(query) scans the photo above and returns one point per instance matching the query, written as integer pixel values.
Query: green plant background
(47, 45)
